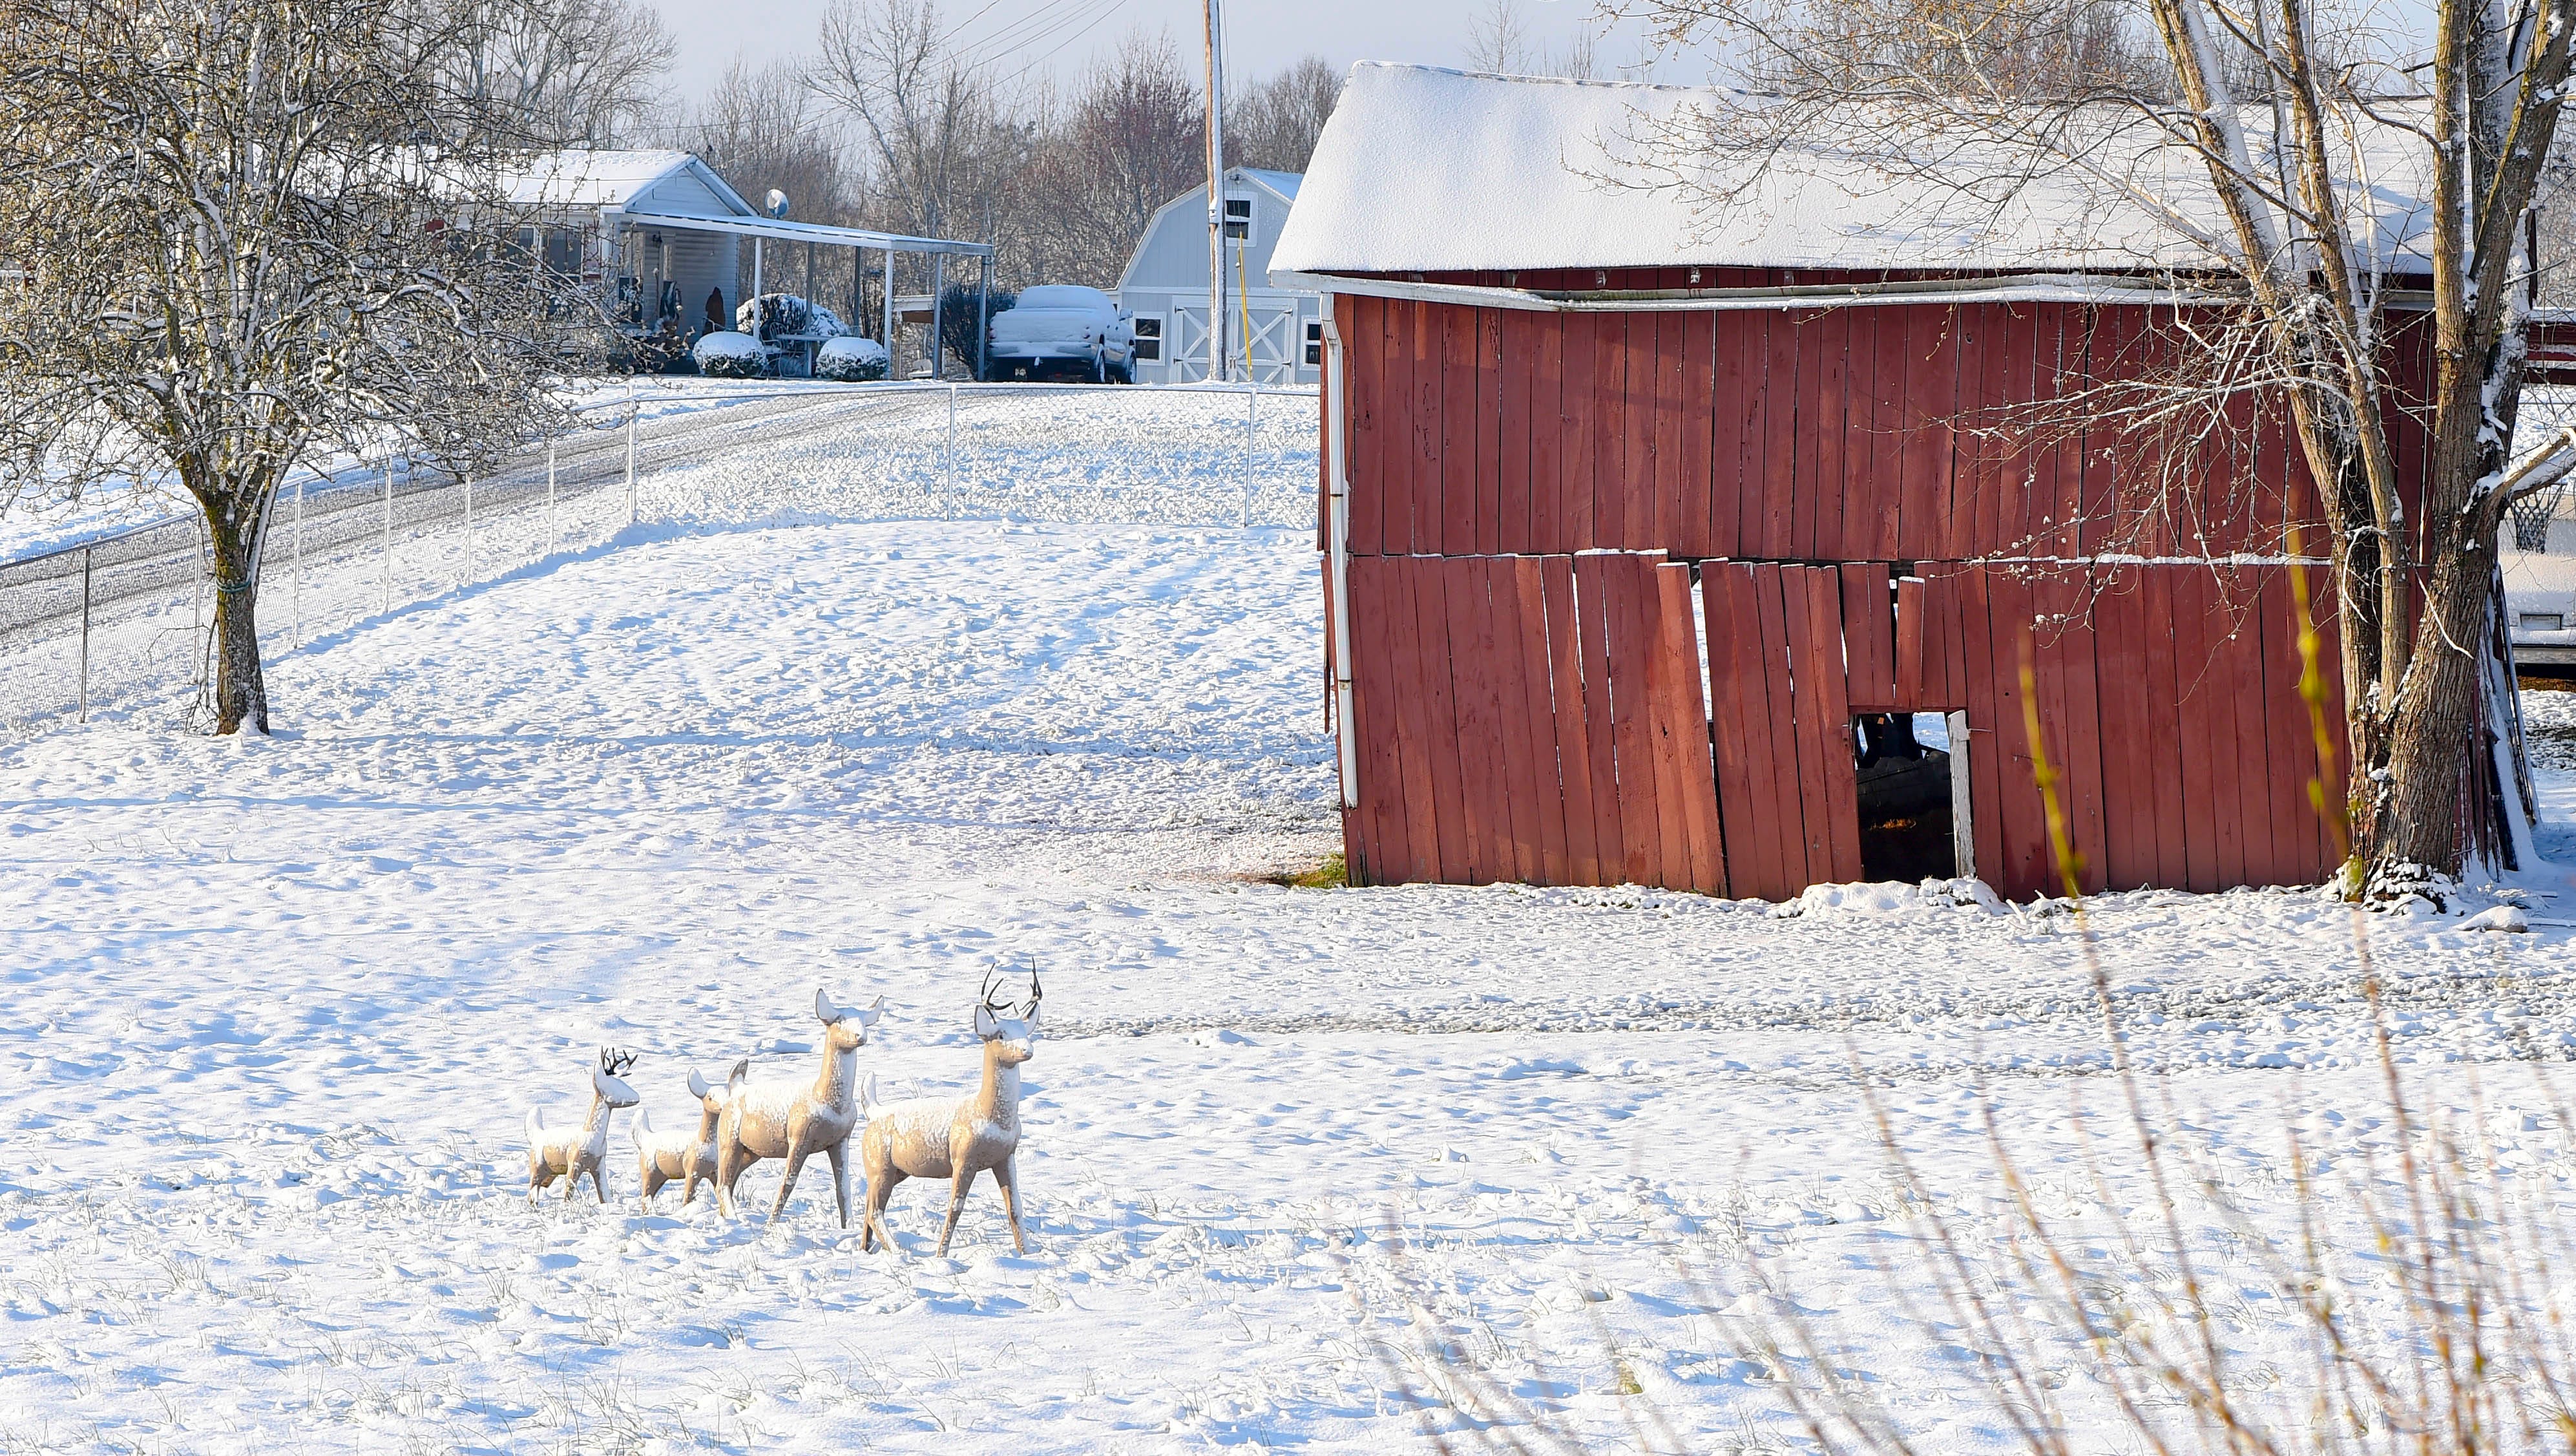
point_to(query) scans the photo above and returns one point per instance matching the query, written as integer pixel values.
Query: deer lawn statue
(687, 1156)
(955, 1139)
(785, 1118)
(570, 1154)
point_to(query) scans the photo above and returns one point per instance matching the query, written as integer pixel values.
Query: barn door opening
(1906, 796)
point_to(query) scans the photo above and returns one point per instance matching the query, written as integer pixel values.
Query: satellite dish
(777, 203)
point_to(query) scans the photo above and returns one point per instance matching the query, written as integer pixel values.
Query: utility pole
(1216, 195)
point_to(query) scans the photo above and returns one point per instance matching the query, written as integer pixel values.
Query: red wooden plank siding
(1697, 427)
(1486, 335)
(2022, 868)
(2193, 716)
(1538, 718)
(1565, 695)
(2288, 748)
(1830, 340)
(1522, 788)
(1662, 711)
(1738, 713)
(1364, 453)
(1987, 759)
(1610, 464)
(1691, 731)
(1381, 857)
(1869, 639)
(1591, 627)
(1581, 429)
(1456, 466)
(2129, 806)
(1630, 650)
(1786, 813)
(1936, 403)
(2263, 847)
(1484, 761)
(1424, 808)
(1907, 646)
(1433, 673)
(1825, 703)
(2163, 727)
(1514, 356)
(2078, 708)
(1545, 335)
(1777, 454)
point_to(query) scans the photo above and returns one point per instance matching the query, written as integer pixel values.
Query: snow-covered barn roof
(1422, 169)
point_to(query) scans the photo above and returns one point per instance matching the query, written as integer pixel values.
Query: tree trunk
(2423, 815)
(241, 691)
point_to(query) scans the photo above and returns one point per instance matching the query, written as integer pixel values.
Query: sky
(1060, 36)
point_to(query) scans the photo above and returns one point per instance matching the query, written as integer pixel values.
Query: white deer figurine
(570, 1154)
(689, 1157)
(956, 1138)
(786, 1118)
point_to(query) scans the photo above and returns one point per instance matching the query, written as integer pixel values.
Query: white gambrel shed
(1273, 330)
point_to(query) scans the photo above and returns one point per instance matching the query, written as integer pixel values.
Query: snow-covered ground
(275, 1010)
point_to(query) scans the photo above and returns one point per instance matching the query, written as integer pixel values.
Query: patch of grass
(1328, 873)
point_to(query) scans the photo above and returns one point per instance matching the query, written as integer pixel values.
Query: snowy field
(276, 1009)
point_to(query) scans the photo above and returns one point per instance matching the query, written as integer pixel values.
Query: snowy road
(275, 1010)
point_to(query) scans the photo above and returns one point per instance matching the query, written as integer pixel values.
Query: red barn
(1658, 531)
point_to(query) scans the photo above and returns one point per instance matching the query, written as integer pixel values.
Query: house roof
(1422, 169)
(602, 177)
(1282, 185)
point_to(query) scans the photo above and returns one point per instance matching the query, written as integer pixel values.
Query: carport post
(755, 276)
(984, 321)
(938, 297)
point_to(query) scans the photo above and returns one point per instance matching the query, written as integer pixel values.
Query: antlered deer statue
(570, 1154)
(686, 1156)
(785, 1118)
(955, 1139)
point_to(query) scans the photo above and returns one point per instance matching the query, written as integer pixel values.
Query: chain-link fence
(120, 623)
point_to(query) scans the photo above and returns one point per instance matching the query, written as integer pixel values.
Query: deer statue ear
(740, 1074)
(698, 1084)
(986, 1028)
(824, 1011)
(869, 1016)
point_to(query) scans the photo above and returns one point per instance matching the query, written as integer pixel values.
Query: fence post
(550, 497)
(295, 576)
(469, 532)
(385, 568)
(951, 471)
(1251, 418)
(86, 554)
(630, 449)
(197, 615)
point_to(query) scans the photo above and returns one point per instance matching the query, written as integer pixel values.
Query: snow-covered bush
(724, 355)
(775, 316)
(850, 359)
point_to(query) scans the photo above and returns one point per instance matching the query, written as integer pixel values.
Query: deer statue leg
(599, 1181)
(796, 1154)
(689, 1189)
(1003, 1174)
(872, 1224)
(956, 1202)
(839, 1153)
(729, 1166)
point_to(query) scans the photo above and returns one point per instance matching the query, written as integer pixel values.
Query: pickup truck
(1064, 330)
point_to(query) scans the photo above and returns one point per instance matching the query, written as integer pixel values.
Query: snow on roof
(590, 177)
(1424, 169)
(1283, 183)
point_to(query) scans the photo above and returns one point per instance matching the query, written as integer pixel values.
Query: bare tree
(561, 71)
(1500, 40)
(2284, 138)
(251, 234)
(1128, 142)
(760, 129)
(1273, 124)
(939, 142)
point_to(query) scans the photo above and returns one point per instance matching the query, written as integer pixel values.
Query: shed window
(1149, 337)
(1238, 218)
(1314, 341)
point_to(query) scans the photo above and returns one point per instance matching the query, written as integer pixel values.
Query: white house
(1273, 331)
(659, 231)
